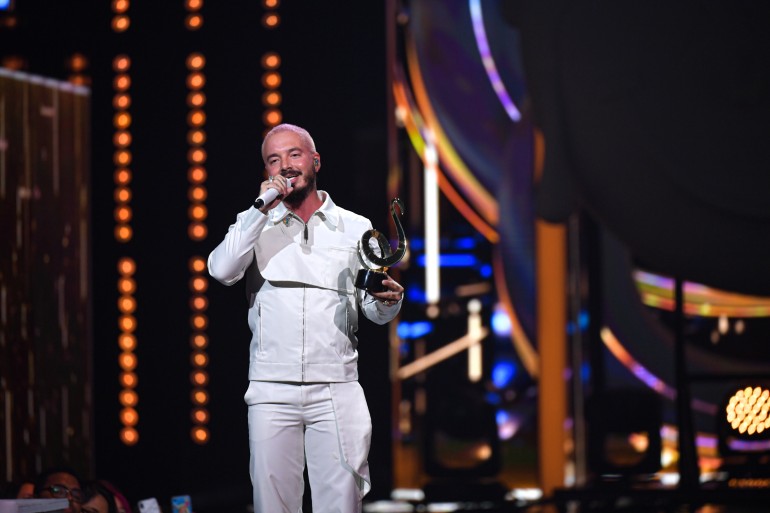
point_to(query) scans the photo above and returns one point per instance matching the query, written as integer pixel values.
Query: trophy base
(371, 280)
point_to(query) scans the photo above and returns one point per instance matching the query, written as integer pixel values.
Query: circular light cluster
(747, 410)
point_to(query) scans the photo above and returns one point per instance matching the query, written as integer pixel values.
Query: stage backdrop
(45, 375)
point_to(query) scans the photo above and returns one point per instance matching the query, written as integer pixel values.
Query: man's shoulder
(349, 215)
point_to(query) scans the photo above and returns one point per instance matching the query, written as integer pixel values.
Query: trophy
(370, 279)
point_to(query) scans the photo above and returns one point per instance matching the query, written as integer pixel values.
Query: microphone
(269, 196)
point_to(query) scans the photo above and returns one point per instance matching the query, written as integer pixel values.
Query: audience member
(60, 483)
(99, 499)
(123, 505)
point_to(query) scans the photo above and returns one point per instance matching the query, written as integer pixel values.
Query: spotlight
(743, 429)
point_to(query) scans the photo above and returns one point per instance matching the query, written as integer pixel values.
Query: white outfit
(303, 315)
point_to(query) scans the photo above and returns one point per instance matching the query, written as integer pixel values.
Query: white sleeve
(228, 262)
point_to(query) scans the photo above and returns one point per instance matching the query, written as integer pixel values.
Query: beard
(298, 194)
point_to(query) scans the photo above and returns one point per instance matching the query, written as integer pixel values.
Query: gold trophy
(370, 279)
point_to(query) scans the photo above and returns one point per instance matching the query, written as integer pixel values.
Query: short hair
(286, 127)
(60, 469)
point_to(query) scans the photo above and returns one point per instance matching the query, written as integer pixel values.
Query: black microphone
(269, 196)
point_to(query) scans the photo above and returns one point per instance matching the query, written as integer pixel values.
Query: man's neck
(307, 207)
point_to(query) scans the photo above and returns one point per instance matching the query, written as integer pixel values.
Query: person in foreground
(299, 255)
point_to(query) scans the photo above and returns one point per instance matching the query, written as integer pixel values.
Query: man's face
(63, 485)
(287, 154)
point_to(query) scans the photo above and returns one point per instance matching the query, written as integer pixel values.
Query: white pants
(326, 425)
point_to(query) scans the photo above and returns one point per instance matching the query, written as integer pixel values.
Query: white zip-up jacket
(303, 306)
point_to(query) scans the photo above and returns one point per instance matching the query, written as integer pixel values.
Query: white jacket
(303, 307)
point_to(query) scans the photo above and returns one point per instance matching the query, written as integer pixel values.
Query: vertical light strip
(122, 177)
(197, 230)
(475, 332)
(194, 19)
(271, 76)
(431, 197)
(129, 417)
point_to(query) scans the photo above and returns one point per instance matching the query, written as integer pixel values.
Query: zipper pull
(305, 233)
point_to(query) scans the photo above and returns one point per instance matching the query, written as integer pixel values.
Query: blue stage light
(503, 372)
(407, 330)
(501, 323)
(451, 260)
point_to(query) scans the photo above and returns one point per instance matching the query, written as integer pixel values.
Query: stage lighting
(743, 430)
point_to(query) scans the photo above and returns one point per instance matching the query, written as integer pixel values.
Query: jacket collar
(328, 211)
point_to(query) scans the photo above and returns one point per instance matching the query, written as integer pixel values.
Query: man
(60, 483)
(305, 405)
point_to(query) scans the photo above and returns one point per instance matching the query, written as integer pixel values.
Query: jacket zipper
(304, 327)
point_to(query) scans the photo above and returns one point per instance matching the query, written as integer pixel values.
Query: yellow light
(199, 378)
(196, 61)
(193, 21)
(122, 194)
(121, 63)
(119, 6)
(123, 233)
(199, 341)
(200, 397)
(128, 379)
(197, 264)
(126, 267)
(129, 417)
(78, 62)
(196, 156)
(196, 137)
(196, 99)
(193, 5)
(271, 4)
(120, 23)
(196, 80)
(271, 60)
(198, 212)
(271, 79)
(127, 323)
(199, 321)
(122, 120)
(127, 361)
(128, 398)
(271, 20)
(79, 80)
(122, 157)
(123, 214)
(14, 62)
(272, 117)
(200, 434)
(196, 118)
(200, 415)
(199, 359)
(199, 284)
(121, 82)
(197, 193)
(127, 342)
(196, 174)
(126, 304)
(129, 436)
(197, 231)
(199, 303)
(121, 101)
(121, 139)
(272, 98)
